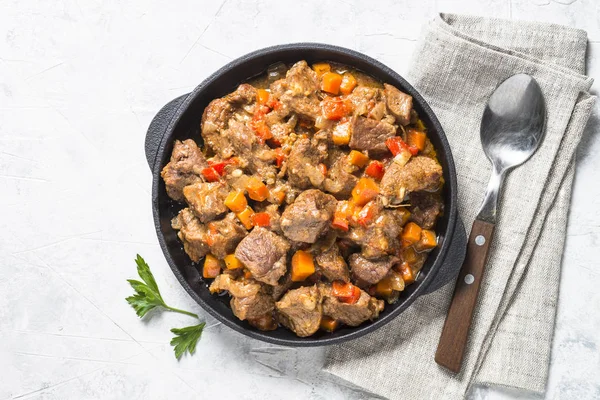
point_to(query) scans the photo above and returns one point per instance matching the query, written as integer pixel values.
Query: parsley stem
(181, 311)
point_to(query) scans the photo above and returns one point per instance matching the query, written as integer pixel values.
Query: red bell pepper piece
(345, 292)
(375, 170)
(211, 174)
(261, 219)
(397, 145)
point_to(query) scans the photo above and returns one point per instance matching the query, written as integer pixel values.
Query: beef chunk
(206, 199)
(369, 134)
(332, 265)
(184, 168)
(244, 94)
(370, 271)
(264, 254)
(192, 233)
(425, 208)
(300, 310)
(224, 235)
(298, 91)
(399, 104)
(249, 299)
(382, 236)
(214, 120)
(309, 216)
(340, 180)
(303, 161)
(366, 308)
(282, 286)
(420, 173)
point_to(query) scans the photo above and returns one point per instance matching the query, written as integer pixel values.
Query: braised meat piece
(298, 91)
(340, 180)
(370, 271)
(264, 254)
(184, 168)
(303, 161)
(369, 134)
(191, 233)
(300, 310)
(206, 199)
(366, 308)
(420, 173)
(399, 103)
(224, 235)
(332, 265)
(309, 216)
(425, 208)
(382, 236)
(243, 95)
(249, 299)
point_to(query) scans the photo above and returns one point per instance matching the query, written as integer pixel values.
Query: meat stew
(314, 200)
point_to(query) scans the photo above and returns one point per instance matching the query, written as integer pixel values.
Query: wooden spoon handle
(455, 333)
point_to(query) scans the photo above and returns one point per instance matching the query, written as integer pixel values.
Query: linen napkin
(458, 63)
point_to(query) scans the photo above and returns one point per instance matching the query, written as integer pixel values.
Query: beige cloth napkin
(458, 63)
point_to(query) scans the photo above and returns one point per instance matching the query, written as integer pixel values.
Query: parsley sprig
(147, 297)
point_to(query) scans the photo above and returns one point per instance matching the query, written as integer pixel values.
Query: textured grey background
(79, 83)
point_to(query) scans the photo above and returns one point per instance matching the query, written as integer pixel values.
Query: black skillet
(180, 119)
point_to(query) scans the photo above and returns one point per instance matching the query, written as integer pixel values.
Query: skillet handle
(454, 259)
(158, 128)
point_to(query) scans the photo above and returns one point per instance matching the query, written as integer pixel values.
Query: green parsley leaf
(147, 296)
(186, 339)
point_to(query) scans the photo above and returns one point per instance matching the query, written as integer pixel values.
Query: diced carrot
(348, 83)
(375, 170)
(236, 201)
(345, 292)
(257, 190)
(407, 273)
(357, 158)
(428, 240)
(303, 266)
(335, 108)
(416, 139)
(322, 168)
(365, 190)
(397, 145)
(261, 219)
(232, 262)
(210, 174)
(321, 68)
(247, 274)
(262, 96)
(384, 287)
(411, 233)
(340, 221)
(211, 267)
(245, 217)
(328, 324)
(277, 196)
(367, 213)
(331, 82)
(341, 134)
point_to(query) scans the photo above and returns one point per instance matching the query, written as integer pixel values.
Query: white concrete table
(79, 83)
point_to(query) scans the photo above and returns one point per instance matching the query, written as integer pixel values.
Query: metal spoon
(511, 131)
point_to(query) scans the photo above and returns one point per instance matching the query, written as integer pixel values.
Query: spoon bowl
(513, 122)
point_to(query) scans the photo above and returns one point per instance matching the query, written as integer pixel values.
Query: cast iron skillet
(180, 119)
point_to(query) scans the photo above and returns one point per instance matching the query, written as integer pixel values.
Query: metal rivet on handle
(479, 240)
(469, 279)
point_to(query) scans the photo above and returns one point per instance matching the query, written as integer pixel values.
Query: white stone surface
(79, 84)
